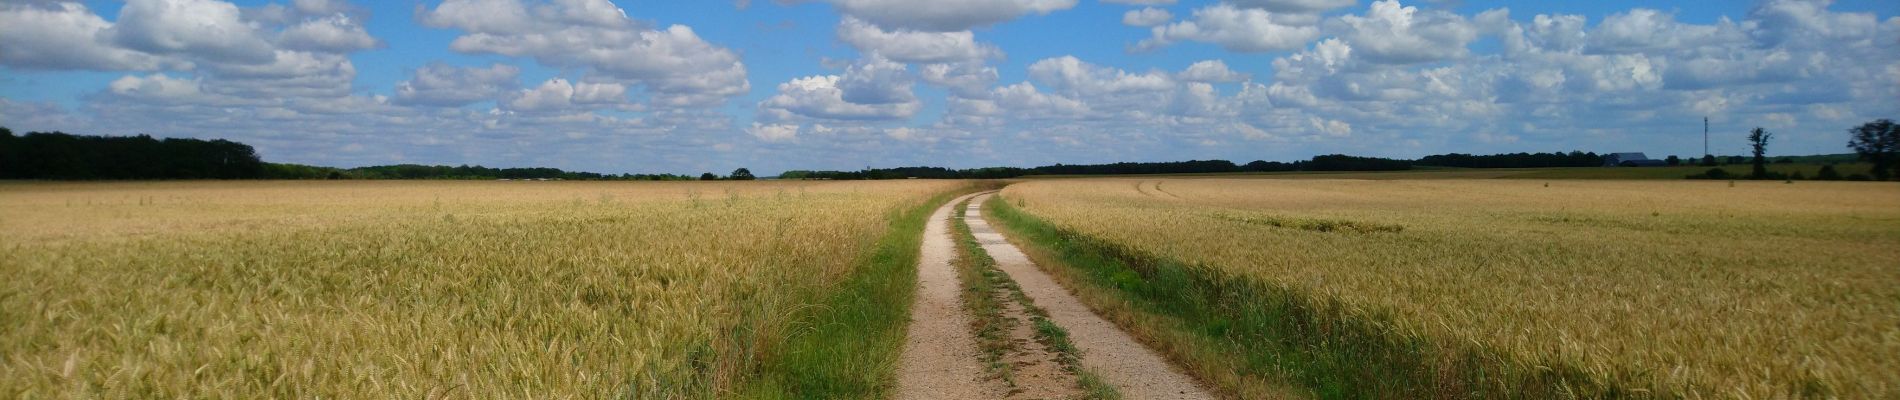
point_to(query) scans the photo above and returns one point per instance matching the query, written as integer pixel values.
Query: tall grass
(1496, 288)
(444, 289)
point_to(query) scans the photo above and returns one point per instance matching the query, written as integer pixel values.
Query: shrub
(1827, 173)
(1713, 173)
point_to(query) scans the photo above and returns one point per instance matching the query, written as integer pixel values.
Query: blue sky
(692, 86)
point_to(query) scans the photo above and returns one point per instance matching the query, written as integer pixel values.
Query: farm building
(1631, 160)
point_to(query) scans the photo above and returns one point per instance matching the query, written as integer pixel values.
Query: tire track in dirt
(1139, 372)
(940, 359)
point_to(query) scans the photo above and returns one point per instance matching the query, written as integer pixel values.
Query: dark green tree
(1673, 161)
(1827, 173)
(742, 174)
(708, 177)
(1758, 140)
(1708, 160)
(1878, 142)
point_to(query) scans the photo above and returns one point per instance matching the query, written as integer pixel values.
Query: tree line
(58, 155)
(64, 156)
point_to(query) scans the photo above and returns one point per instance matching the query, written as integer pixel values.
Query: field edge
(849, 346)
(1255, 339)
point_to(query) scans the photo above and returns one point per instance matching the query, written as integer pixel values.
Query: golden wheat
(416, 289)
(1698, 289)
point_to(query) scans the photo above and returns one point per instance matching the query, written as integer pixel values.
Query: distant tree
(1673, 161)
(1827, 173)
(1878, 142)
(1708, 160)
(1270, 166)
(708, 177)
(1732, 160)
(1758, 140)
(742, 174)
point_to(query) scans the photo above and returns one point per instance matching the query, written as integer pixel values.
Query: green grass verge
(1241, 333)
(849, 346)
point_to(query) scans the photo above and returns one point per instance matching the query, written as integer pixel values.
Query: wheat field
(419, 289)
(1662, 288)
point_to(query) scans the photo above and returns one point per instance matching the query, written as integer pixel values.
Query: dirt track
(1139, 372)
(940, 358)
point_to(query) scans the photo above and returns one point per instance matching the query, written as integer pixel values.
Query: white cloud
(560, 95)
(674, 64)
(1024, 98)
(818, 97)
(1646, 30)
(333, 34)
(1775, 22)
(320, 7)
(945, 16)
(1238, 29)
(876, 81)
(773, 132)
(443, 85)
(902, 133)
(1210, 71)
(159, 88)
(965, 79)
(1070, 74)
(205, 29)
(1293, 6)
(1147, 17)
(1141, 2)
(914, 46)
(63, 36)
(1396, 34)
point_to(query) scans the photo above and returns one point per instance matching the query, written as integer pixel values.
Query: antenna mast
(1705, 136)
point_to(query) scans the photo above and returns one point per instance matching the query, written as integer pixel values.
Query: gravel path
(1137, 371)
(940, 358)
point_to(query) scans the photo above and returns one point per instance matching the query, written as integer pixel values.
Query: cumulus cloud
(673, 63)
(1238, 29)
(1293, 6)
(444, 85)
(965, 79)
(1210, 71)
(912, 46)
(63, 36)
(333, 34)
(945, 16)
(560, 95)
(159, 88)
(773, 132)
(1070, 74)
(819, 97)
(1397, 34)
(876, 81)
(1776, 22)
(1147, 17)
(1646, 30)
(206, 29)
